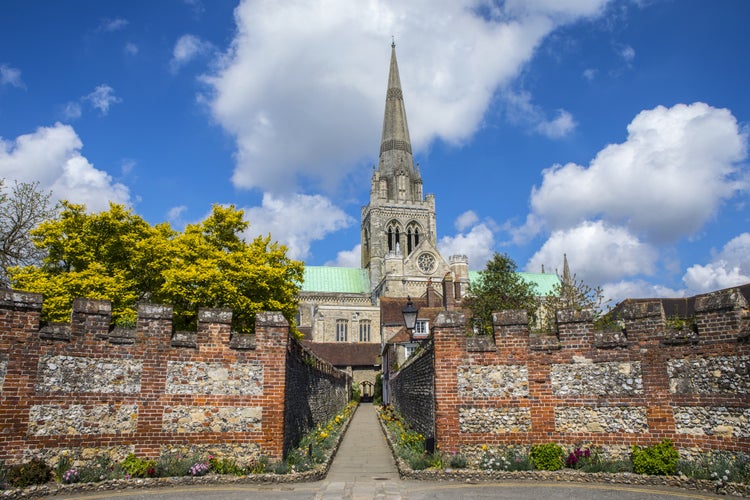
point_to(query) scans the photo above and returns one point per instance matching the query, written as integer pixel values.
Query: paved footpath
(364, 469)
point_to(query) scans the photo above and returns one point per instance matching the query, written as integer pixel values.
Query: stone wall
(633, 386)
(413, 388)
(85, 389)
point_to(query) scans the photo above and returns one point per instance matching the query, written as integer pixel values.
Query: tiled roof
(545, 282)
(336, 279)
(391, 309)
(341, 354)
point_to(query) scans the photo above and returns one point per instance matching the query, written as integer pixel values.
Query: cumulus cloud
(187, 48)
(348, 258)
(11, 76)
(52, 157)
(131, 49)
(102, 98)
(296, 220)
(676, 168)
(637, 289)
(297, 113)
(597, 253)
(730, 267)
(476, 240)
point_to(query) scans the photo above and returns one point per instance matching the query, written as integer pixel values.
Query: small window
(422, 327)
(408, 351)
(342, 330)
(364, 330)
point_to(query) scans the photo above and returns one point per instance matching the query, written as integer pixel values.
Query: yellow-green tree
(215, 267)
(118, 256)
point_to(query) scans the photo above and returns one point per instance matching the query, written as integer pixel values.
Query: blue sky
(615, 132)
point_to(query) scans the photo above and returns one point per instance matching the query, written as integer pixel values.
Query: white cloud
(72, 111)
(477, 244)
(561, 126)
(676, 168)
(187, 48)
(52, 157)
(348, 258)
(102, 98)
(730, 267)
(628, 53)
(296, 220)
(11, 76)
(597, 253)
(520, 110)
(131, 49)
(637, 289)
(278, 83)
(466, 220)
(175, 216)
(590, 73)
(111, 25)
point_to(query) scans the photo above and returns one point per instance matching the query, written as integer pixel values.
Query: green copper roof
(545, 283)
(336, 279)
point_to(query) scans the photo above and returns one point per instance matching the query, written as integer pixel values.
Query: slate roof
(336, 279)
(342, 354)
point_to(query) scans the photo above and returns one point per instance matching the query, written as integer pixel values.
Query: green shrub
(29, 473)
(457, 461)
(659, 459)
(226, 466)
(99, 469)
(510, 459)
(547, 456)
(259, 466)
(138, 467)
(177, 464)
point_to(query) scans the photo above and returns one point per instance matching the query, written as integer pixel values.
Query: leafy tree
(571, 294)
(113, 255)
(22, 208)
(216, 268)
(499, 287)
(116, 255)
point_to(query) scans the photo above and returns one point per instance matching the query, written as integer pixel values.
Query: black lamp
(410, 316)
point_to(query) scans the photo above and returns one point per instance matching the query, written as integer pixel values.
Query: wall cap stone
(20, 301)
(510, 317)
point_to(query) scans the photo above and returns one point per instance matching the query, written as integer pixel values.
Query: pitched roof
(545, 282)
(336, 279)
(391, 309)
(346, 354)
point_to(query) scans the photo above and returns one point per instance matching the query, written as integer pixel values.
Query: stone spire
(395, 146)
(567, 279)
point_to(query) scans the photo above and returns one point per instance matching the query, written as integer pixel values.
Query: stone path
(363, 466)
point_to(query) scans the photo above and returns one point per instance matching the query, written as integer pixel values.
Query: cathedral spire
(395, 146)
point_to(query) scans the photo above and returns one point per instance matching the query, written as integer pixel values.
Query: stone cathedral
(340, 308)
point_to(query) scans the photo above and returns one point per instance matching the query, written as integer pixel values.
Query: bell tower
(399, 242)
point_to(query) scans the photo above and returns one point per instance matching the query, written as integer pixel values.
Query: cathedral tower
(399, 240)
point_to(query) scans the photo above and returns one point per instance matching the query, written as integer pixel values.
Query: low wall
(84, 389)
(636, 385)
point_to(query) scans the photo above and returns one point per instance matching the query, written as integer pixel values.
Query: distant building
(340, 308)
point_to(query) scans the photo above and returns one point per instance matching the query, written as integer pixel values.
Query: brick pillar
(90, 319)
(272, 340)
(214, 327)
(575, 329)
(511, 329)
(642, 318)
(19, 353)
(449, 297)
(153, 335)
(449, 337)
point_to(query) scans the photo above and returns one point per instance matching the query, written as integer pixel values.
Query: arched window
(412, 237)
(394, 236)
(364, 330)
(342, 330)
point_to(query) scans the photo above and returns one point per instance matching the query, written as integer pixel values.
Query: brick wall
(611, 389)
(85, 389)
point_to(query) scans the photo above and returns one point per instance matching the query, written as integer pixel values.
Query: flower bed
(718, 472)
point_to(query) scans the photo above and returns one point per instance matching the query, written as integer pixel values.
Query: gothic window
(394, 237)
(412, 237)
(364, 330)
(342, 330)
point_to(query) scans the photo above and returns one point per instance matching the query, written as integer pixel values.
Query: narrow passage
(363, 463)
